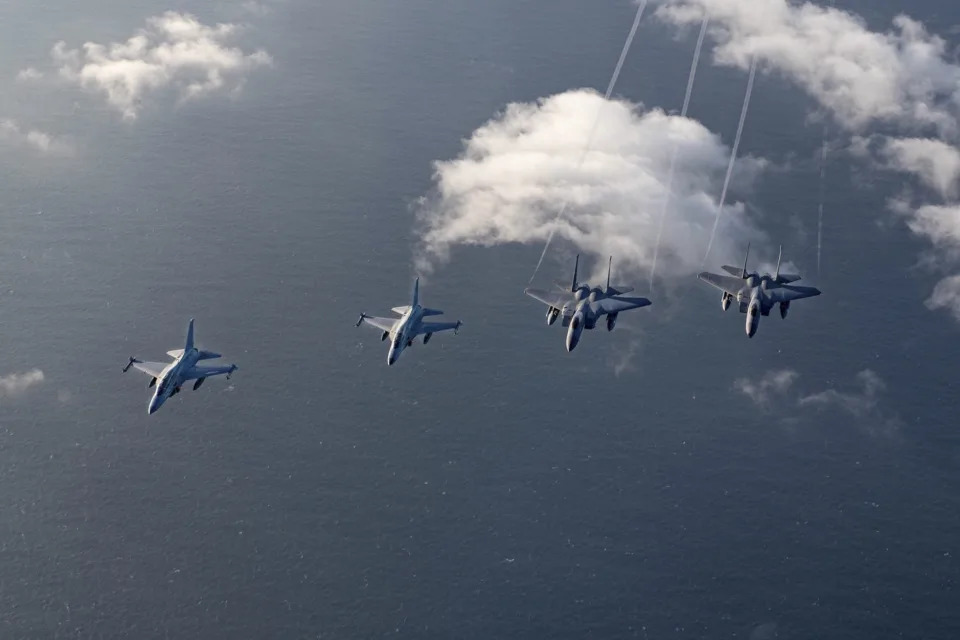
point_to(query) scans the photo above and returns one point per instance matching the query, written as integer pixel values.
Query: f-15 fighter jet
(169, 377)
(403, 331)
(756, 295)
(581, 306)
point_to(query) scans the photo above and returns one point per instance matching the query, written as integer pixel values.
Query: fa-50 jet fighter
(169, 377)
(756, 295)
(403, 331)
(581, 306)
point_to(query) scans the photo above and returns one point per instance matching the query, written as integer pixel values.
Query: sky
(272, 168)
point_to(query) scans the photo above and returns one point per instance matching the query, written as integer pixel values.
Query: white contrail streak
(823, 169)
(673, 155)
(610, 87)
(733, 155)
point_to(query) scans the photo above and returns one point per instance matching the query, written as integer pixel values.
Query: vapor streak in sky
(673, 155)
(610, 87)
(733, 155)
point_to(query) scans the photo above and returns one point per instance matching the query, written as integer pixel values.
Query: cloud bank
(904, 81)
(175, 51)
(516, 172)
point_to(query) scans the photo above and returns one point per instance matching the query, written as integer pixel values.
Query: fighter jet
(169, 377)
(403, 331)
(756, 295)
(581, 306)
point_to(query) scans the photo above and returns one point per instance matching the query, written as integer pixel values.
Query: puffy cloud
(764, 389)
(16, 384)
(12, 133)
(29, 74)
(935, 162)
(946, 295)
(174, 51)
(904, 75)
(519, 169)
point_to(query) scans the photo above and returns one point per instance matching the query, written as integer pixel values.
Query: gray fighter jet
(403, 331)
(581, 306)
(756, 295)
(169, 377)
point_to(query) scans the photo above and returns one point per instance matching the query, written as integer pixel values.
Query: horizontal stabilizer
(787, 278)
(734, 271)
(619, 291)
(176, 353)
(208, 355)
(401, 310)
(432, 312)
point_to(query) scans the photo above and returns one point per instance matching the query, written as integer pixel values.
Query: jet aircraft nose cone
(154, 405)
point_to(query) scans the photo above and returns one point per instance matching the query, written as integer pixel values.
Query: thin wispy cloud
(777, 391)
(173, 52)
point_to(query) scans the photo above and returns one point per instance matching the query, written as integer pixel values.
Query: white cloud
(763, 390)
(776, 391)
(904, 75)
(44, 143)
(29, 74)
(946, 295)
(174, 51)
(935, 162)
(16, 384)
(857, 404)
(518, 170)
(905, 80)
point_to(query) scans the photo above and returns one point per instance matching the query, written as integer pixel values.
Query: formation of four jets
(580, 306)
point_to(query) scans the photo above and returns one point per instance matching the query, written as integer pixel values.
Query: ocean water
(490, 485)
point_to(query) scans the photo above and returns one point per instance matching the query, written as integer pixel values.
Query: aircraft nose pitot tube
(753, 318)
(552, 314)
(725, 301)
(784, 307)
(573, 333)
(611, 321)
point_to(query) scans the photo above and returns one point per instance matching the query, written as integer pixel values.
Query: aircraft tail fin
(747, 257)
(189, 344)
(576, 267)
(415, 296)
(779, 257)
(609, 268)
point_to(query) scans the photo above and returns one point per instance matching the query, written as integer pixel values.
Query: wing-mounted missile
(196, 385)
(426, 337)
(611, 321)
(725, 301)
(784, 307)
(130, 364)
(552, 314)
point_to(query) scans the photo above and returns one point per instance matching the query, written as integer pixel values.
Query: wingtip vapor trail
(673, 156)
(606, 96)
(733, 156)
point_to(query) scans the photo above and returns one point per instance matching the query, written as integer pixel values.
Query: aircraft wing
(434, 327)
(729, 284)
(155, 369)
(205, 372)
(555, 299)
(384, 324)
(786, 293)
(617, 304)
